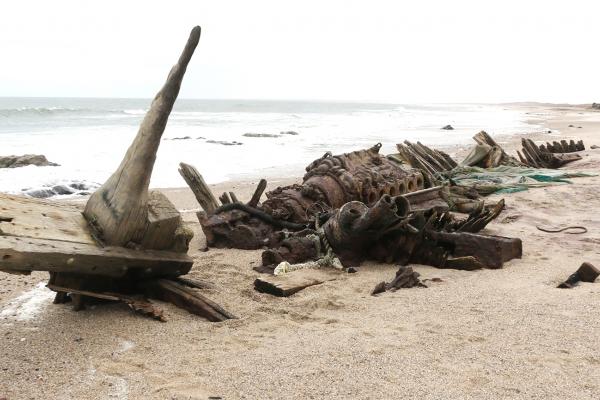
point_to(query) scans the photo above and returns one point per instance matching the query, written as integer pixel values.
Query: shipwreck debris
(287, 284)
(361, 205)
(129, 243)
(540, 157)
(585, 273)
(329, 183)
(405, 278)
(195, 181)
(562, 146)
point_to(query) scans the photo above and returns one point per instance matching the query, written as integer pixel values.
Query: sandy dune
(476, 335)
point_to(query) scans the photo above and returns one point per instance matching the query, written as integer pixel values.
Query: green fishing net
(507, 179)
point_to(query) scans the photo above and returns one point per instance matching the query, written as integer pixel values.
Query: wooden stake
(262, 185)
(196, 182)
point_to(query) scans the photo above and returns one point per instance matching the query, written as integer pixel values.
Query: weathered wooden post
(119, 209)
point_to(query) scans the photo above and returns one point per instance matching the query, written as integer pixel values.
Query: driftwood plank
(33, 218)
(491, 251)
(196, 182)
(188, 299)
(27, 254)
(287, 284)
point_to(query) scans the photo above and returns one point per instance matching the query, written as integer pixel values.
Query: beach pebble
(448, 127)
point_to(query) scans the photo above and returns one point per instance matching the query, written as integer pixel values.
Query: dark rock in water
(182, 138)
(261, 135)
(224, 143)
(549, 132)
(594, 147)
(571, 126)
(63, 189)
(24, 160)
(289, 133)
(596, 106)
(40, 193)
(79, 186)
(448, 128)
(200, 137)
(73, 188)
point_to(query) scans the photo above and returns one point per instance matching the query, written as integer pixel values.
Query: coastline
(553, 117)
(489, 333)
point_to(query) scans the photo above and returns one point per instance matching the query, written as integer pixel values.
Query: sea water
(88, 137)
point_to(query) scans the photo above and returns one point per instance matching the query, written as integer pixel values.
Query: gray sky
(398, 51)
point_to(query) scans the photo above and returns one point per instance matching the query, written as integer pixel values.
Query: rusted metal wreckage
(363, 205)
(128, 245)
(358, 206)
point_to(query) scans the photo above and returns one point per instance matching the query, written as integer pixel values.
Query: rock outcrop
(24, 160)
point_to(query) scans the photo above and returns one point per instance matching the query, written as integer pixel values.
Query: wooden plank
(188, 299)
(287, 284)
(28, 254)
(42, 219)
(195, 181)
(491, 251)
(138, 305)
(195, 283)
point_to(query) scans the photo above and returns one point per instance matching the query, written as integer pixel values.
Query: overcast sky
(397, 51)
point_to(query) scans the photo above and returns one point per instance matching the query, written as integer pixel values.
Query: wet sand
(493, 334)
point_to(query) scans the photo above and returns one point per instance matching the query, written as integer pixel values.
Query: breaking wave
(52, 111)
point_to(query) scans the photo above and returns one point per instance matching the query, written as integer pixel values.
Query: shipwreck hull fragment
(128, 244)
(329, 183)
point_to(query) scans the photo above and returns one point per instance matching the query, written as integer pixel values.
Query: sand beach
(485, 334)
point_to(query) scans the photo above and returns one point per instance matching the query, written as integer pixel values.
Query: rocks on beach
(261, 135)
(25, 160)
(225, 143)
(270, 135)
(596, 106)
(73, 188)
(448, 128)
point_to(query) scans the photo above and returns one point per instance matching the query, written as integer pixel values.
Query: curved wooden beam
(118, 210)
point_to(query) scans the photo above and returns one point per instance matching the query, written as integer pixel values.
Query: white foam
(28, 305)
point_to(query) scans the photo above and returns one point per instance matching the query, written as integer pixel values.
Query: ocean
(89, 136)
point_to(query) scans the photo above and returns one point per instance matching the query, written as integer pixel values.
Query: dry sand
(477, 335)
